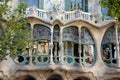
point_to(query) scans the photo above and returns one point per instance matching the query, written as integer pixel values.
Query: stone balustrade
(64, 16)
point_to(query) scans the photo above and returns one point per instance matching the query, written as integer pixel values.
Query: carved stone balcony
(63, 16)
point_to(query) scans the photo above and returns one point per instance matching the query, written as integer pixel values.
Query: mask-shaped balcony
(63, 16)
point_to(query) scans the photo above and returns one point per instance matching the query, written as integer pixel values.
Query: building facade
(71, 42)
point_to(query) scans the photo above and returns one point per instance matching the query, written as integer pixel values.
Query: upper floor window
(31, 3)
(2, 2)
(85, 5)
(105, 13)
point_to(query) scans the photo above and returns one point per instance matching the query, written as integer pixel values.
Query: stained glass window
(56, 33)
(109, 47)
(41, 32)
(70, 34)
(87, 47)
(86, 37)
(70, 41)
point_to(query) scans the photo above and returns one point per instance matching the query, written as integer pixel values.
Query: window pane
(32, 3)
(109, 47)
(105, 13)
(43, 47)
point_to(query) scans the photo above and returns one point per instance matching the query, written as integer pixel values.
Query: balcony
(64, 16)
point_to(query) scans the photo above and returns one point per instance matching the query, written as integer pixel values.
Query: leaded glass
(41, 32)
(70, 40)
(56, 33)
(86, 37)
(109, 36)
(109, 47)
(87, 47)
(70, 34)
(56, 49)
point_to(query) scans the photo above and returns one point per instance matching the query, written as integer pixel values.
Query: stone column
(79, 48)
(51, 48)
(117, 46)
(30, 46)
(61, 47)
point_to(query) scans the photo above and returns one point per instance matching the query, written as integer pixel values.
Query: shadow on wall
(29, 78)
(115, 79)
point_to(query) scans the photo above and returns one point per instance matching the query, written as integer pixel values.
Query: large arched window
(41, 36)
(55, 77)
(109, 47)
(56, 48)
(70, 40)
(87, 48)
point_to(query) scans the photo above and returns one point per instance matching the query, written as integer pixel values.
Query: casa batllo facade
(71, 42)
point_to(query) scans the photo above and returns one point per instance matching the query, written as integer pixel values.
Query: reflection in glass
(68, 48)
(43, 47)
(70, 41)
(56, 48)
(105, 13)
(88, 52)
(87, 47)
(108, 49)
(31, 3)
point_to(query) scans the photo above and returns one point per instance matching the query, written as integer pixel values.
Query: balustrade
(86, 16)
(42, 14)
(21, 59)
(69, 15)
(66, 15)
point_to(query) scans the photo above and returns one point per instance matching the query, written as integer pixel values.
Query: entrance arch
(29, 78)
(55, 77)
(81, 78)
(1, 79)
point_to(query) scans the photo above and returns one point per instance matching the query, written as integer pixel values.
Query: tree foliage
(113, 8)
(14, 30)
